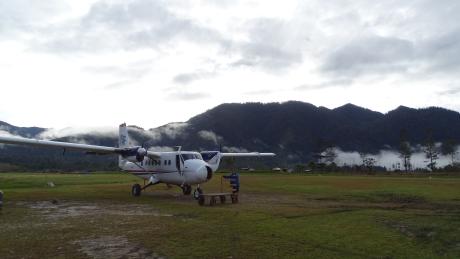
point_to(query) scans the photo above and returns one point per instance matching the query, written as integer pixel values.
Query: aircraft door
(179, 164)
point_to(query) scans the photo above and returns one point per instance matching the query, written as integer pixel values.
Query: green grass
(279, 216)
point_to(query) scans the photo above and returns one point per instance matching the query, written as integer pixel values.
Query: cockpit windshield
(191, 156)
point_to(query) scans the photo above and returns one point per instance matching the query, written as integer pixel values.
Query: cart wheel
(201, 200)
(234, 198)
(222, 199)
(212, 202)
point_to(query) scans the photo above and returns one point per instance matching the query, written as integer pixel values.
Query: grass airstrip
(279, 216)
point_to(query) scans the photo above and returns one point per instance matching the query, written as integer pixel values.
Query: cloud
(390, 159)
(126, 25)
(19, 16)
(161, 149)
(130, 71)
(453, 91)
(188, 78)
(184, 95)
(259, 92)
(77, 131)
(170, 130)
(210, 136)
(371, 54)
(5, 133)
(119, 84)
(343, 82)
(271, 44)
(234, 149)
(440, 52)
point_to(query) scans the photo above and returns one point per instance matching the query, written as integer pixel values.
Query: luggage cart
(212, 198)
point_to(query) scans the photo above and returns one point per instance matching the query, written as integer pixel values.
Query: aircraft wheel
(234, 198)
(197, 193)
(136, 190)
(187, 189)
(213, 201)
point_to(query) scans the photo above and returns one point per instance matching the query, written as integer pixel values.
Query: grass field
(279, 216)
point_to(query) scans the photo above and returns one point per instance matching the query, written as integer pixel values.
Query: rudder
(123, 138)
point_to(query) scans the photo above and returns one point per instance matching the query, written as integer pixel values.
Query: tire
(234, 198)
(187, 190)
(197, 193)
(213, 201)
(136, 190)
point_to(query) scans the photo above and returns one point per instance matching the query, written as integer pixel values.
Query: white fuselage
(178, 168)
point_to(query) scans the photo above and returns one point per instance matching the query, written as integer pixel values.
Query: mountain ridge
(294, 130)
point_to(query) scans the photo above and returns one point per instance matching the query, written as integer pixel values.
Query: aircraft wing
(66, 145)
(252, 154)
(91, 149)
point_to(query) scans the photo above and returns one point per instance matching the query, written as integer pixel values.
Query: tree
(330, 155)
(368, 162)
(405, 150)
(449, 148)
(405, 153)
(431, 152)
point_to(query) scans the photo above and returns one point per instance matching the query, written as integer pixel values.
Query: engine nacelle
(134, 155)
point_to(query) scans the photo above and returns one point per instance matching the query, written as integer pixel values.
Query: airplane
(181, 168)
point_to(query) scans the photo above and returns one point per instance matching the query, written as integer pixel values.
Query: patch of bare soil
(113, 247)
(64, 209)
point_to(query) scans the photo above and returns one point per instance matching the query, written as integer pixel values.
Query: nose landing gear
(197, 193)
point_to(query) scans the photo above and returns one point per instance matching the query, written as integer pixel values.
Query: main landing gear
(137, 189)
(186, 189)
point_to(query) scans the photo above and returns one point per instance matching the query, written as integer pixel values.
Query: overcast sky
(100, 63)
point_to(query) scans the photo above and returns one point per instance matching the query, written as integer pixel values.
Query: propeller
(141, 153)
(134, 154)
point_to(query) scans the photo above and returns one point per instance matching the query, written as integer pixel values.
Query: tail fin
(123, 138)
(212, 158)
